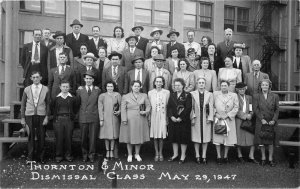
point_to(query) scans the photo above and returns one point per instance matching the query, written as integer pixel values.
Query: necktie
(172, 43)
(62, 70)
(89, 91)
(138, 76)
(256, 75)
(36, 53)
(114, 71)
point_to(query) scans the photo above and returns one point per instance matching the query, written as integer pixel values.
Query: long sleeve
(211, 108)
(48, 102)
(148, 105)
(124, 109)
(101, 107)
(173, 78)
(23, 104)
(256, 108)
(214, 80)
(71, 58)
(50, 81)
(188, 108)
(191, 83)
(170, 107)
(276, 108)
(239, 76)
(232, 113)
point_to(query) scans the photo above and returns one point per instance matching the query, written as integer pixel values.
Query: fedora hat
(156, 30)
(171, 32)
(131, 36)
(191, 51)
(114, 53)
(89, 73)
(141, 27)
(89, 55)
(76, 22)
(59, 33)
(239, 45)
(137, 58)
(159, 57)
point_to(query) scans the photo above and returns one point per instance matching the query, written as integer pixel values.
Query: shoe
(161, 158)
(43, 161)
(219, 161)
(253, 161)
(84, 159)
(182, 161)
(92, 159)
(263, 162)
(107, 154)
(156, 158)
(173, 158)
(204, 161)
(129, 158)
(58, 160)
(198, 160)
(272, 163)
(137, 157)
(111, 154)
(226, 160)
(241, 160)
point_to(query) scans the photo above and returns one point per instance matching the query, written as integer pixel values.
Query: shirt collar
(34, 43)
(61, 95)
(39, 85)
(91, 87)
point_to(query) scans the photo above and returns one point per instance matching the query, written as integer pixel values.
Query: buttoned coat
(142, 43)
(80, 77)
(75, 44)
(119, 79)
(223, 50)
(210, 77)
(92, 46)
(131, 77)
(253, 83)
(127, 57)
(246, 65)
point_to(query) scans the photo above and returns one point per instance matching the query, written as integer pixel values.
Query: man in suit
(75, 39)
(173, 34)
(46, 40)
(138, 73)
(225, 48)
(60, 73)
(115, 72)
(130, 53)
(240, 61)
(160, 71)
(141, 41)
(156, 33)
(88, 116)
(192, 44)
(96, 41)
(53, 53)
(34, 58)
(253, 79)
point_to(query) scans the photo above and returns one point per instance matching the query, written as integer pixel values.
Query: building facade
(205, 17)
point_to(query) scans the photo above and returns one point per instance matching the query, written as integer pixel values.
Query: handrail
(286, 92)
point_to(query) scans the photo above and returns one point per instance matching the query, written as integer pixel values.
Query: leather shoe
(182, 161)
(173, 158)
(92, 160)
(84, 159)
(263, 162)
(43, 161)
(198, 160)
(219, 161)
(204, 161)
(226, 160)
(272, 163)
(241, 160)
(253, 161)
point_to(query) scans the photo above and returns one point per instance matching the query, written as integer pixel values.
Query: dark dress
(180, 132)
(201, 100)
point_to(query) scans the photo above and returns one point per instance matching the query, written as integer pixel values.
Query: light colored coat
(188, 78)
(210, 77)
(253, 83)
(232, 75)
(166, 75)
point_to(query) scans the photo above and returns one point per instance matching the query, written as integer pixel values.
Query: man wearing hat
(53, 53)
(160, 71)
(88, 60)
(46, 40)
(173, 34)
(138, 73)
(96, 41)
(115, 72)
(194, 64)
(192, 44)
(141, 41)
(88, 116)
(225, 48)
(156, 33)
(75, 39)
(241, 61)
(131, 52)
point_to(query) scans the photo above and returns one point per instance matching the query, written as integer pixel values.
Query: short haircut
(186, 62)
(228, 30)
(225, 81)
(63, 53)
(83, 44)
(136, 81)
(96, 27)
(34, 30)
(118, 27)
(110, 82)
(163, 80)
(155, 47)
(204, 58)
(190, 31)
(209, 41)
(102, 47)
(180, 80)
(46, 29)
(201, 78)
(65, 81)
(35, 72)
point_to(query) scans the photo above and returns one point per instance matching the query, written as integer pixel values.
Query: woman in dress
(109, 111)
(78, 60)
(226, 106)
(266, 109)
(172, 62)
(209, 75)
(206, 40)
(117, 43)
(158, 98)
(103, 62)
(179, 109)
(134, 129)
(149, 64)
(244, 138)
(202, 116)
(215, 61)
(230, 74)
(186, 75)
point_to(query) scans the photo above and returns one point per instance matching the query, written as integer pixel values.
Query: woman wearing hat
(117, 43)
(187, 76)
(266, 109)
(156, 33)
(240, 61)
(244, 116)
(194, 64)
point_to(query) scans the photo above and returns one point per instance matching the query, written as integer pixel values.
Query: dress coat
(196, 115)
(195, 65)
(142, 44)
(215, 63)
(159, 101)
(244, 138)
(80, 77)
(149, 65)
(179, 46)
(166, 75)
(188, 78)
(52, 59)
(210, 77)
(161, 45)
(119, 79)
(179, 132)
(127, 57)
(111, 123)
(170, 65)
(75, 44)
(137, 129)
(92, 46)
(228, 104)
(50, 44)
(131, 77)
(233, 75)
(253, 83)
(267, 109)
(245, 64)
(223, 50)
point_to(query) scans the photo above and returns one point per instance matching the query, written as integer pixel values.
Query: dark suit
(28, 67)
(253, 83)
(52, 61)
(131, 77)
(127, 57)
(55, 79)
(80, 78)
(142, 43)
(119, 80)
(93, 48)
(161, 45)
(218, 63)
(179, 46)
(50, 44)
(75, 44)
(223, 50)
(88, 120)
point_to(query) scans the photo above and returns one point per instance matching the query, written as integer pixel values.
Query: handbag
(267, 132)
(248, 126)
(220, 127)
(180, 109)
(142, 107)
(116, 107)
(207, 109)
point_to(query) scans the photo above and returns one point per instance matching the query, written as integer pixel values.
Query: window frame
(42, 11)
(297, 67)
(234, 19)
(237, 20)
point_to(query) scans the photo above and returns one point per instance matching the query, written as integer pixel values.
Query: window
(46, 7)
(229, 17)
(298, 11)
(24, 37)
(298, 55)
(197, 15)
(101, 9)
(242, 20)
(153, 12)
(236, 18)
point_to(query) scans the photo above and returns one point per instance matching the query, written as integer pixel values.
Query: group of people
(130, 90)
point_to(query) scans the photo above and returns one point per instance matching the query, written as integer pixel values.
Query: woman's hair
(155, 47)
(180, 80)
(110, 82)
(186, 62)
(224, 81)
(230, 57)
(215, 54)
(265, 80)
(163, 80)
(204, 58)
(136, 81)
(102, 47)
(209, 41)
(83, 44)
(118, 27)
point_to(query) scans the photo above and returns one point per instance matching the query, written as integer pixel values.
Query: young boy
(34, 112)
(64, 109)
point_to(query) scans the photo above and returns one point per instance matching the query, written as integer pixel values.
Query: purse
(180, 109)
(248, 126)
(267, 132)
(142, 107)
(207, 109)
(220, 127)
(116, 107)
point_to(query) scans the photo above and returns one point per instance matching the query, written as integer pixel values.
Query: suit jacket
(88, 111)
(142, 43)
(75, 44)
(246, 65)
(92, 46)
(80, 78)
(119, 80)
(131, 77)
(166, 75)
(253, 83)
(179, 46)
(50, 44)
(223, 50)
(55, 79)
(27, 65)
(169, 65)
(161, 45)
(52, 61)
(127, 57)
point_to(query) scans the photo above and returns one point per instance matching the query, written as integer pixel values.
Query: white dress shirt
(62, 95)
(60, 68)
(57, 52)
(76, 36)
(36, 90)
(193, 45)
